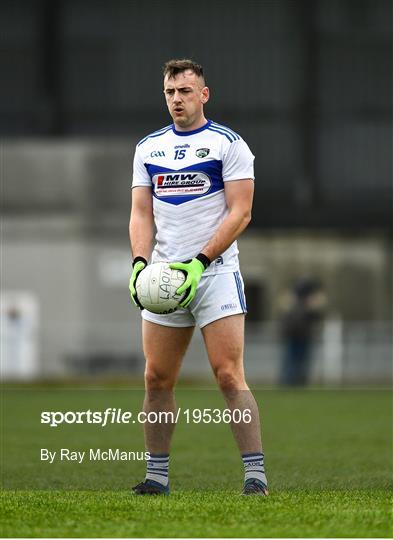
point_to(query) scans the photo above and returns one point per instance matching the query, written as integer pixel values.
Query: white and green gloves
(193, 270)
(138, 264)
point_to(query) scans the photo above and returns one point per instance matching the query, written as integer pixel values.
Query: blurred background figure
(301, 308)
(19, 335)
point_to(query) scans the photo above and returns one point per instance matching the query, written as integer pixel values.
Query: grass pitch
(328, 459)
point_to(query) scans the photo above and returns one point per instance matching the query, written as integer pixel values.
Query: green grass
(197, 514)
(328, 458)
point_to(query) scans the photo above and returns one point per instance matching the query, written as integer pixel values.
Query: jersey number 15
(180, 154)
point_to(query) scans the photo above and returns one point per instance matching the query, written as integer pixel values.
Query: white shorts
(217, 296)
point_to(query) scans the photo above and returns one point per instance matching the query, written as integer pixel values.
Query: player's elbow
(242, 216)
(245, 218)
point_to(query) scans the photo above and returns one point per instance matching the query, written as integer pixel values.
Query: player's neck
(200, 122)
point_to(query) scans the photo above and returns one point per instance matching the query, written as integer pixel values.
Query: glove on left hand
(194, 270)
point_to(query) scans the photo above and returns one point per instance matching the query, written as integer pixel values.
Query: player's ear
(205, 94)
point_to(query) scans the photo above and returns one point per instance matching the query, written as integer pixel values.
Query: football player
(193, 181)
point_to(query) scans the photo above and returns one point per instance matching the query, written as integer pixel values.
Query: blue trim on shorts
(240, 292)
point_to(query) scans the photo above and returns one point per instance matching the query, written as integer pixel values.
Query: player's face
(185, 96)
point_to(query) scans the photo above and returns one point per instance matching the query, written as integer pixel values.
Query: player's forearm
(229, 230)
(141, 231)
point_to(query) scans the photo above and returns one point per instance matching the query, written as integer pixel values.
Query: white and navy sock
(254, 467)
(157, 468)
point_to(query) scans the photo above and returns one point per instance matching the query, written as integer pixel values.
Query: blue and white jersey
(186, 171)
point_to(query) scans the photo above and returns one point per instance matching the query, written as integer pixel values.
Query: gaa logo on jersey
(181, 183)
(202, 152)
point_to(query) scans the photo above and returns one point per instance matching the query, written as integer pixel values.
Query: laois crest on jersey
(187, 171)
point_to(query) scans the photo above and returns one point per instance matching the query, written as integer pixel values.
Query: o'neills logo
(192, 183)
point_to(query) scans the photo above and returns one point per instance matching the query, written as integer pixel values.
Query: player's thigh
(224, 340)
(164, 348)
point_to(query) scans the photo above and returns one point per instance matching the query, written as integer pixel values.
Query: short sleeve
(238, 162)
(140, 175)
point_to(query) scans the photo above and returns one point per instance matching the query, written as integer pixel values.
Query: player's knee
(157, 381)
(228, 379)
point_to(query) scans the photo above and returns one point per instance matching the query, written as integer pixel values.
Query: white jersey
(186, 171)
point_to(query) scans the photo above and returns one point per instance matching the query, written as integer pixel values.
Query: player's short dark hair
(175, 66)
